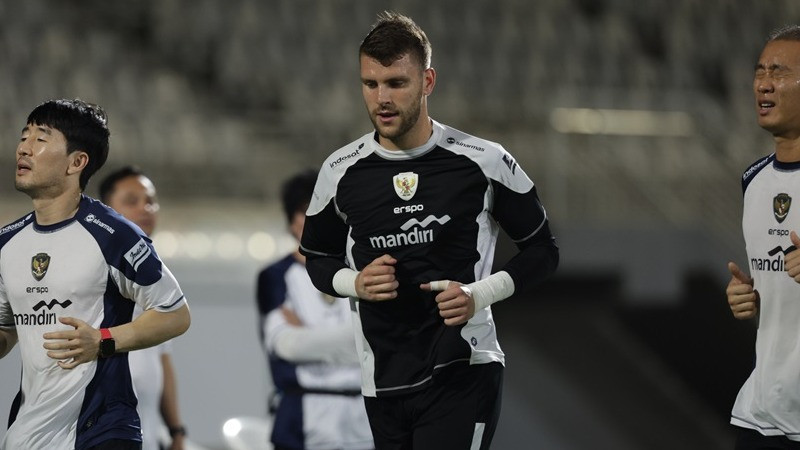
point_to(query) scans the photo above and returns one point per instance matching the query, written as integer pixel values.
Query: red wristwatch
(107, 344)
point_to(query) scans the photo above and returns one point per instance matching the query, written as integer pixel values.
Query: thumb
(438, 285)
(737, 273)
(795, 239)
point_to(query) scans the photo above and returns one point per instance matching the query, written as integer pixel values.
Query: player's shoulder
(464, 143)
(491, 156)
(346, 156)
(9, 230)
(116, 236)
(102, 221)
(754, 169)
(493, 159)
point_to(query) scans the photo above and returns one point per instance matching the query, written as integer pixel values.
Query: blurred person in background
(308, 338)
(129, 192)
(404, 221)
(767, 409)
(70, 274)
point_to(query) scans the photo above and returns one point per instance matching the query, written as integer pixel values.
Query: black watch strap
(179, 430)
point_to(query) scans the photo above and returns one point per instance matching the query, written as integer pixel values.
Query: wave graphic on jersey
(774, 264)
(417, 235)
(52, 303)
(425, 222)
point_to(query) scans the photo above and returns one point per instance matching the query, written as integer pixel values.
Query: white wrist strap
(497, 286)
(344, 282)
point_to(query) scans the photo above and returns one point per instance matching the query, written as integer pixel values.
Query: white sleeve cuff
(344, 282)
(497, 286)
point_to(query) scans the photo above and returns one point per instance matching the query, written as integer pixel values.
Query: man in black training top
(404, 222)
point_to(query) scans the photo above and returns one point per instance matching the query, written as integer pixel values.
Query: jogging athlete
(403, 221)
(71, 272)
(767, 409)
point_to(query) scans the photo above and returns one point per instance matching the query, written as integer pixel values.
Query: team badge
(39, 264)
(405, 184)
(780, 206)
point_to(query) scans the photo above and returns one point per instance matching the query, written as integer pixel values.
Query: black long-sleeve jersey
(436, 209)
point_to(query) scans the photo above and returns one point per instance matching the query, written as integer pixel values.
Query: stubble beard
(408, 119)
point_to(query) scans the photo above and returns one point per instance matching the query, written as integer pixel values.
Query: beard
(408, 118)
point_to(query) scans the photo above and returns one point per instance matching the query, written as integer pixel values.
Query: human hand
(791, 262)
(455, 301)
(742, 298)
(177, 442)
(73, 347)
(290, 317)
(376, 281)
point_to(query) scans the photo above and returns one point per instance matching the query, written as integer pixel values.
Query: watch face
(107, 348)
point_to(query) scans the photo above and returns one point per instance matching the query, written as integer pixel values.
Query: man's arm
(150, 328)
(75, 347)
(169, 403)
(8, 338)
(296, 343)
(523, 217)
(323, 244)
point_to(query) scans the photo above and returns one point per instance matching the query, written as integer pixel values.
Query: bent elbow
(182, 321)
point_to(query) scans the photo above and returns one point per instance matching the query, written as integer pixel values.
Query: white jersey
(769, 401)
(89, 267)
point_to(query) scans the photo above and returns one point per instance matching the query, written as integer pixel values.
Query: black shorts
(747, 439)
(117, 444)
(458, 411)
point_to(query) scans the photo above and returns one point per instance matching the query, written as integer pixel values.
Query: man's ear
(77, 161)
(428, 81)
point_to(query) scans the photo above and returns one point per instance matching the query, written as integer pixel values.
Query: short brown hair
(394, 35)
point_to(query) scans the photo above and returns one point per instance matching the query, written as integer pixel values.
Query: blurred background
(635, 120)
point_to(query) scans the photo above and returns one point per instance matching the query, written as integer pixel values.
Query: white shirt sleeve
(329, 344)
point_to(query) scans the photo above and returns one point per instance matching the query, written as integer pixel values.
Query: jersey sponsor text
(344, 158)
(415, 236)
(41, 318)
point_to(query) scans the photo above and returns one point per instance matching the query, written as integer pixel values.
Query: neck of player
(418, 135)
(57, 208)
(787, 149)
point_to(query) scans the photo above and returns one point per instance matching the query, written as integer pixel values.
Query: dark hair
(84, 125)
(109, 183)
(394, 35)
(786, 33)
(296, 193)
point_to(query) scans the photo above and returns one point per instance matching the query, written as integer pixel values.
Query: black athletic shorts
(117, 444)
(458, 411)
(747, 439)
